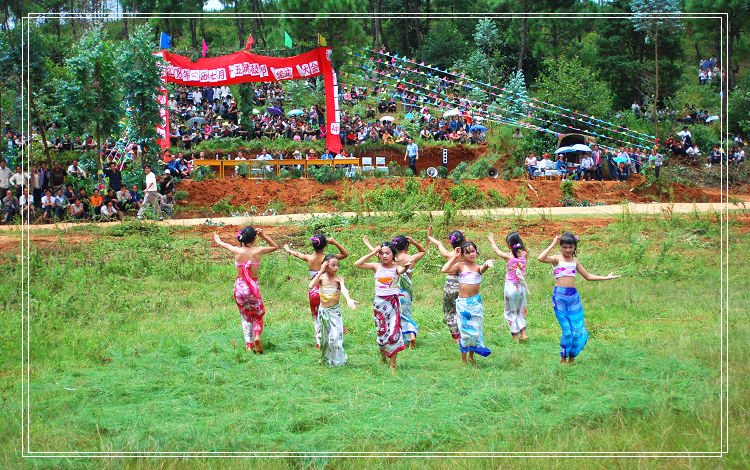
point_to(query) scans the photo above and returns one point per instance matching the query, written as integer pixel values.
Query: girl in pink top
(246, 290)
(515, 284)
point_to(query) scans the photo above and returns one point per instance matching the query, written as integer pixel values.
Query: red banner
(163, 128)
(242, 66)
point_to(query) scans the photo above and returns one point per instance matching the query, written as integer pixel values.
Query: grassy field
(136, 346)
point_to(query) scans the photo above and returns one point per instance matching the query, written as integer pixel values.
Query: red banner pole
(161, 96)
(333, 116)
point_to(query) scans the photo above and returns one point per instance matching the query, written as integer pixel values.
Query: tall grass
(135, 346)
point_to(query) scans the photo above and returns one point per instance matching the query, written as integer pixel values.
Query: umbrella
(256, 111)
(409, 116)
(295, 112)
(388, 118)
(712, 118)
(581, 148)
(479, 118)
(478, 128)
(683, 133)
(565, 150)
(274, 110)
(620, 159)
(452, 112)
(196, 120)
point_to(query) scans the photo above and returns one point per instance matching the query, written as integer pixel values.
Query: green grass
(136, 346)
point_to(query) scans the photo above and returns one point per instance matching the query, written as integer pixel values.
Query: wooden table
(276, 164)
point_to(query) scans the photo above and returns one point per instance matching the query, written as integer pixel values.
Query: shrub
(458, 172)
(497, 199)
(467, 196)
(567, 189)
(203, 172)
(326, 173)
(243, 169)
(223, 206)
(181, 195)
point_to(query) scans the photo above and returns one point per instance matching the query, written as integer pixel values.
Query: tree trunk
(240, 23)
(555, 42)
(406, 24)
(373, 26)
(203, 28)
(98, 144)
(257, 23)
(523, 42)
(40, 123)
(379, 23)
(656, 94)
(193, 33)
(125, 26)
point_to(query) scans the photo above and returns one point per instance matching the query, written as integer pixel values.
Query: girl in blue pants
(565, 298)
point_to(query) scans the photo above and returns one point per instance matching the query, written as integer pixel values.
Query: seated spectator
(109, 211)
(562, 167)
(10, 206)
(77, 210)
(587, 167)
(26, 203)
(136, 197)
(61, 204)
(388, 138)
(326, 155)
(713, 157)
(75, 171)
(693, 153)
(124, 200)
(166, 203)
(96, 202)
(531, 165)
(517, 134)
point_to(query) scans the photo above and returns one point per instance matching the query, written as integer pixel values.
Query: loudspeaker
(432, 172)
(493, 173)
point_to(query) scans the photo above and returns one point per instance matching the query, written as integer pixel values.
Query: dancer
(314, 260)
(330, 285)
(469, 312)
(246, 290)
(386, 307)
(515, 284)
(450, 290)
(565, 298)
(409, 327)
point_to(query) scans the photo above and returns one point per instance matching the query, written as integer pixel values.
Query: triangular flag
(250, 42)
(287, 40)
(322, 41)
(166, 41)
(205, 48)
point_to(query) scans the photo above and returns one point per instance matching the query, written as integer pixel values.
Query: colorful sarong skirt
(470, 318)
(450, 294)
(388, 324)
(569, 313)
(408, 325)
(515, 306)
(314, 297)
(252, 310)
(332, 335)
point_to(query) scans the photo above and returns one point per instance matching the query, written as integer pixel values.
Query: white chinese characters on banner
(283, 73)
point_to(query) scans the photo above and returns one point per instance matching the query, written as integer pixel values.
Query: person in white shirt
(197, 97)
(5, 175)
(151, 195)
(75, 170)
(48, 205)
(109, 211)
(531, 165)
(26, 201)
(19, 180)
(693, 152)
(587, 167)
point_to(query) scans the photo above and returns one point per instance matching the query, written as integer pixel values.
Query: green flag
(287, 40)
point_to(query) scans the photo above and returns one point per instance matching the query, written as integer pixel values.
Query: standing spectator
(151, 196)
(19, 180)
(57, 176)
(596, 154)
(658, 162)
(114, 175)
(26, 203)
(531, 165)
(412, 153)
(46, 177)
(36, 184)
(5, 175)
(10, 206)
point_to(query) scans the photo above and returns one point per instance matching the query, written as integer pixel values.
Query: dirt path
(592, 211)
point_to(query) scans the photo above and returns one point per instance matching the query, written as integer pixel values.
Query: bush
(706, 137)
(203, 172)
(467, 196)
(458, 172)
(497, 199)
(243, 169)
(567, 189)
(181, 195)
(326, 173)
(223, 206)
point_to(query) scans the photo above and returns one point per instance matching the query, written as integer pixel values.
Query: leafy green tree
(739, 108)
(666, 21)
(87, 93)
(486, 35)
(140, 76)
(443, 45)
(738, 44)
(568, 83)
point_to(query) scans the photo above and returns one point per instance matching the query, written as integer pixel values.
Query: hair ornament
(314, 239)
(239, 234)
(452, 238)
(574, 236)
(517, 245)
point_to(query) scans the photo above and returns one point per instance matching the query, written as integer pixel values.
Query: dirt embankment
(429, 156)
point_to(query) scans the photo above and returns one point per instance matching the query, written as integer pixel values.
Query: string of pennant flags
(462, 81)
(479, 112)
(482, 109)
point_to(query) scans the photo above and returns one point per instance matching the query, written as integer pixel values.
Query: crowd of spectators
(708, 69)
(47, 195)
(683, 147)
